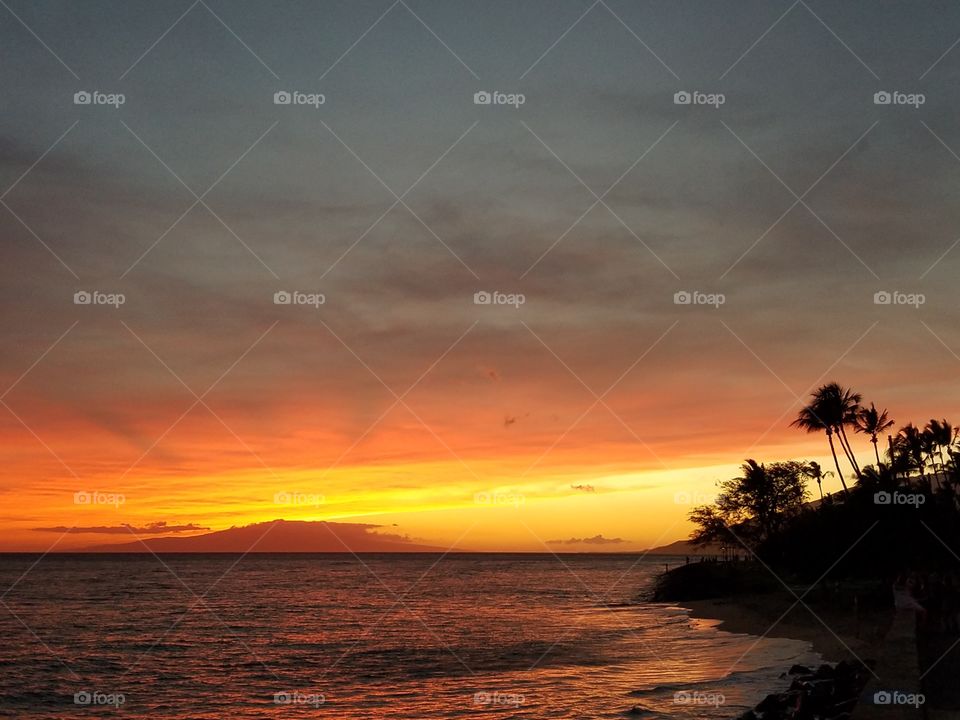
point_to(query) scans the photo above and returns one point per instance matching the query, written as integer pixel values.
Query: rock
(825, 671)
(828, 693)
(772, 704)
(819, 690)
(845, 669)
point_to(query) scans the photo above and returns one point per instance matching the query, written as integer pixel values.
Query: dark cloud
(584, 488)
(154, 528)
(595, 540)
(500, 200)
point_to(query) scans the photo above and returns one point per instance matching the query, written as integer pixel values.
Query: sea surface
(374, 636)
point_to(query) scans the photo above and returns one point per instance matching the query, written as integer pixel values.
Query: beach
(837, 635)
(926, 664)
(846, 625)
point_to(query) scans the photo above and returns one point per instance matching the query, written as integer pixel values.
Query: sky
(587, 407)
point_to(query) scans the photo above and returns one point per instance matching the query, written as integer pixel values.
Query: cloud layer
(620, 216)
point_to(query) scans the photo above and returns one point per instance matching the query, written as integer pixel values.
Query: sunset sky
(599, 408)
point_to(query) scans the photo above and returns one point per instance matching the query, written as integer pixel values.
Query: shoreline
(841, 620)
(847, 638)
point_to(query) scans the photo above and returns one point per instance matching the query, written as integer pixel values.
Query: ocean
(375, 636)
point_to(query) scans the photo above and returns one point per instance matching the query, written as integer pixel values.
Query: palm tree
(901, 458)
(941, 435)
(830, 409)
(810, 420)
(911, 446)
(872, 422)
(844, 404)
(816, 472)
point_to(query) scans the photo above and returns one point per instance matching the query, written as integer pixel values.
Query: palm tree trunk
(849, 449)
(846, 452)
(875, 451)
(836, 462)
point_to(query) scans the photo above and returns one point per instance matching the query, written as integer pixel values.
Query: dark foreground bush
(701, 580)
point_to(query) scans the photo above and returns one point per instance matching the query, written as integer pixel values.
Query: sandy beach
(834, 630)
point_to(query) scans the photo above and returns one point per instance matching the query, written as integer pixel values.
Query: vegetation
(759, 502)
(831, 409)
(902, 511)
(873, 422)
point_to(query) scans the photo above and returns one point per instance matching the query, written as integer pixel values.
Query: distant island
(686, 548)
(319, 536)
(277, 536)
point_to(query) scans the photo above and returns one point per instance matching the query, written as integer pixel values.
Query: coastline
(847, 638)
(835, 636)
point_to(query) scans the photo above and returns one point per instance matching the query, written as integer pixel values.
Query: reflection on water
(400, 636)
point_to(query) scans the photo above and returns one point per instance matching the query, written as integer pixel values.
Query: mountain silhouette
(278, 536)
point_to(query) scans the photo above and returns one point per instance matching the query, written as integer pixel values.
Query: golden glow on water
(479, 635)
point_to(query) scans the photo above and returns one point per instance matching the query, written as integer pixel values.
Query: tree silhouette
(815, 472)
(872, 422)
(755, 505)
(831, 407)
(910, 447)
(941, 436)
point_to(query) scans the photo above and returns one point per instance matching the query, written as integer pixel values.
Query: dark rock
(843, 708)
(828, 693)
(770, 704)
(818, 690)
